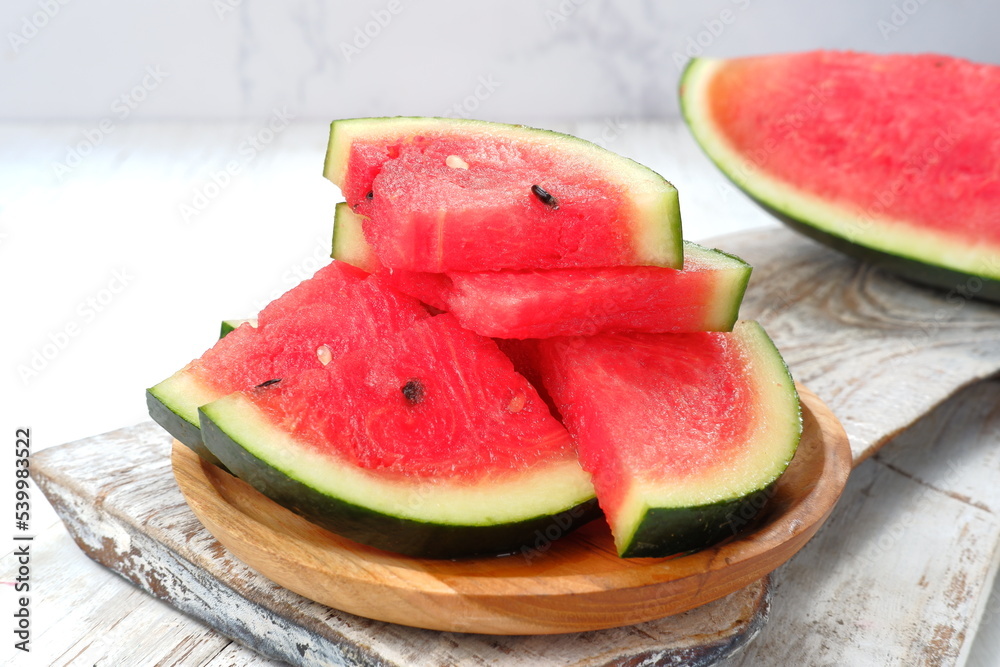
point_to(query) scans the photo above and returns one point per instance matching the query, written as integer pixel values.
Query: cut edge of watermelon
(728, 489)
(657, 223)
(526, 495)
(350, 245)
(727, 310)
(892, 238)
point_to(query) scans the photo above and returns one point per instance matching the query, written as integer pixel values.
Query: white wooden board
(902, 571)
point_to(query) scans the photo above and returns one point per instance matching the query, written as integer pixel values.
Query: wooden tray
(127, 513)
(579, 584)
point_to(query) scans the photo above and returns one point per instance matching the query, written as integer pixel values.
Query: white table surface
(114, 288)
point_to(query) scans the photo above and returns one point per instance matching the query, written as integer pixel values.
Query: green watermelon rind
(349, 243)
(172, 405)
(658, 229)
(686, 520)
(229, 326)
(919, 255)
(324, 492)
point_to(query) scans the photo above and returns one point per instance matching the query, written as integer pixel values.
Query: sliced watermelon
(428, 444)
(463, 195)
(338, 310)
(704, 296)
(681, 431)
(891, 158)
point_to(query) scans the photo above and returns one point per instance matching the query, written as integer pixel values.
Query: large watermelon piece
(542, 303)
(891, 158)
(428, 444)
(681, 431)
(464, 195)
(337, 310)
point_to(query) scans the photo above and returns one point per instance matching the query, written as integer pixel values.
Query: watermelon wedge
(338, 310)
(893, 159)
(428, 444)
(463, 195)
(542, 303)
(682, 432)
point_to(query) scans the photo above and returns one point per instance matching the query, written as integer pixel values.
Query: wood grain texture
(126, 512)
(574, 584)
(901, 574)
(879, 351)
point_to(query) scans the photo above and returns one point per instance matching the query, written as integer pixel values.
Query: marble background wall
(496, 59)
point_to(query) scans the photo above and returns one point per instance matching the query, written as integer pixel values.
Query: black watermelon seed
(370, 195)
(545, 197)
(413, 390)
(269, 382)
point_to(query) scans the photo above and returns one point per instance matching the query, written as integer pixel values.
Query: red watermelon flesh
(435, 401)
(663, 422)
(493, 195)
(319, 291)
(291, 330)
(434, 289)
(523, 353)
(336, 311)
(446, 195)
(913, 140)
(704, 296)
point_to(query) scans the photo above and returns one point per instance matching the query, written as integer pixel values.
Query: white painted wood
(903, 570)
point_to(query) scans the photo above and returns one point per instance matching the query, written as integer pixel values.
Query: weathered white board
(902, 571)
(126, 512)
(879, 351)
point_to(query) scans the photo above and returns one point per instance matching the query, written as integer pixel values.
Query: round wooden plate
(575, 584)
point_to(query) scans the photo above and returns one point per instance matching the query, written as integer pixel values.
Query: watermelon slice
(683, 433)
(704, 296)
(428, 444)
(338, 310)
(891, 158)
(463, 195)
